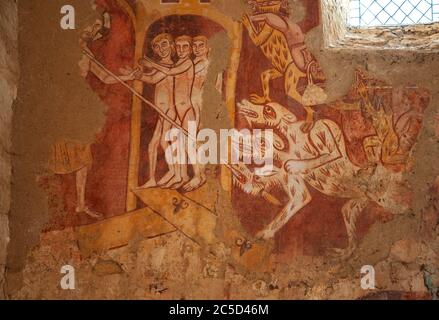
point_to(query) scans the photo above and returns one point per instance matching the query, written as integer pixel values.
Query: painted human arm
(258, 37)
(201, 66)
(152, 78)
(273, 20)
(170, 71)
(108, 79)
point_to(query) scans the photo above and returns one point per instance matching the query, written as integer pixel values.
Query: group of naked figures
(178, 74)
(315, 153)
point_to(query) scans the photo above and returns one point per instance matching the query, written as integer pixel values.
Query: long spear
(138, 95)
(235, 171)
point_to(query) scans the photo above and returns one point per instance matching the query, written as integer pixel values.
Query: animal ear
(289, 118)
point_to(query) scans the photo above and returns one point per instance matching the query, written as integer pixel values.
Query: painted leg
(309, 120)
(299, 197)
(190, 116)
(266, 77)
(350, 211)
(173, 176)
(152, 156)
(81, 182)
(165, 145)
(198, 181)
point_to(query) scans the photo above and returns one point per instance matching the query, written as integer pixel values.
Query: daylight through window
(372, 13)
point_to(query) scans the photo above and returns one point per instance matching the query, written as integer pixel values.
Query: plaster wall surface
(8, 92)
(55, 101)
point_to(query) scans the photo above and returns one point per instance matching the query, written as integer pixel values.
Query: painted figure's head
(92, 33)
(246, 180)
(269, 6)
(200, 47)
(183, 45)
(270, 115)
(163, 45)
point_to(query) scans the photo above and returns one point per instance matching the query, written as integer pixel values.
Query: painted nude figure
(184, 73)
(282, 42)
(200, 50)
(163, 47)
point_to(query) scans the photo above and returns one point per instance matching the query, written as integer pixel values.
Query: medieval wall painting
(338, 166)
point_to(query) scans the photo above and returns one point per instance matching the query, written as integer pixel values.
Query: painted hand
(130, 73)
(125, 71)
(246, 21)
(138, 73)
(265, 234)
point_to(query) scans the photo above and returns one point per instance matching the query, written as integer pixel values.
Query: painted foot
(173, 181)
(180, 184)
(194, 184)
(150, 184)
(166, 178)
(90, 213)
(254, 98)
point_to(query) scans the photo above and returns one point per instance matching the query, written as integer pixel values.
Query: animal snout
(244, 108)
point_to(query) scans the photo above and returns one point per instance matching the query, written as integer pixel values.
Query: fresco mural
(338, 165)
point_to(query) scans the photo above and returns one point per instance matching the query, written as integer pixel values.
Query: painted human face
(200, 49)
(163, 48)
(183, 49)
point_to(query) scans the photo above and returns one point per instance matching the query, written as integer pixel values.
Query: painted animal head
(255, 182)
(246, 180)
(270, 116)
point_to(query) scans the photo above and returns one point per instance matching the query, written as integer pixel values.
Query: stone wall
(403, 249)
(339, 35)
(8, 90)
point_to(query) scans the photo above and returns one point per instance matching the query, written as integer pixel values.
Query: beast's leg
(266, 77)
(351, 211)
(299, 197)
